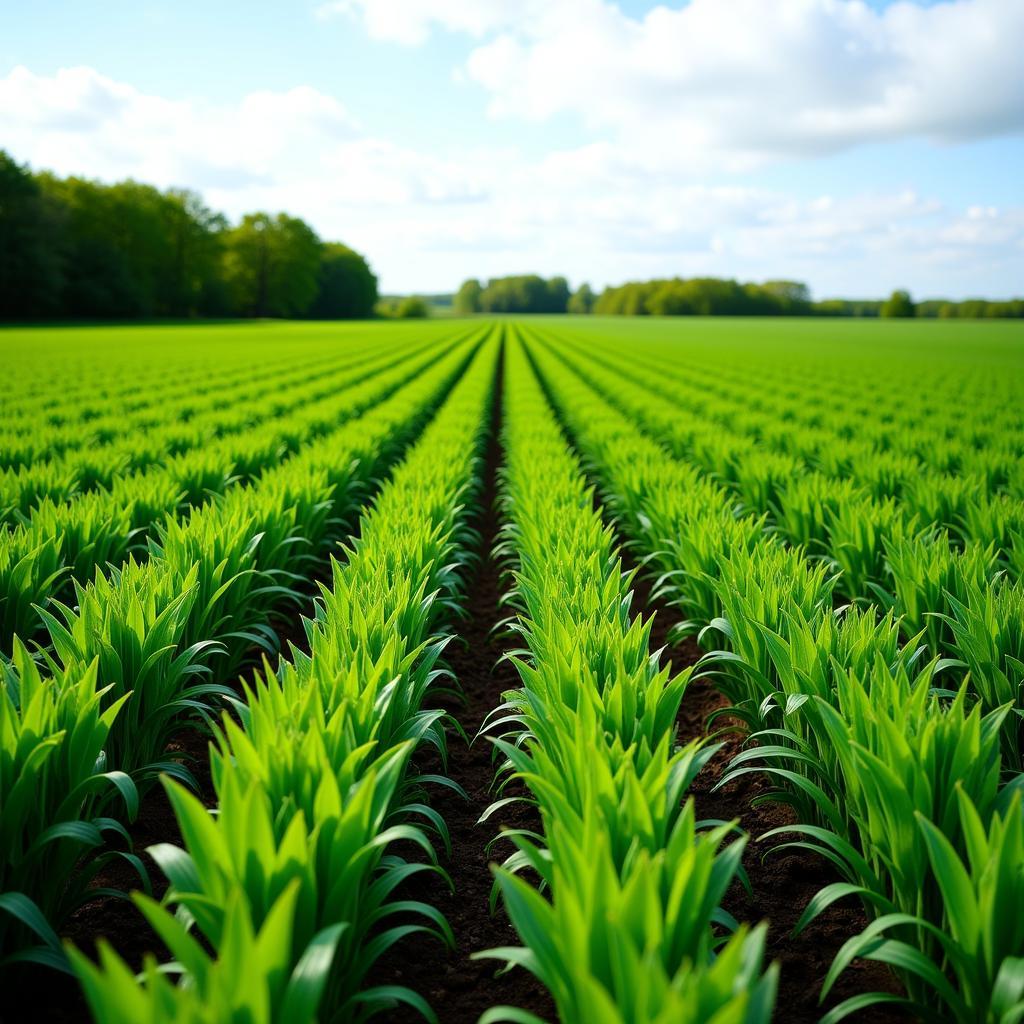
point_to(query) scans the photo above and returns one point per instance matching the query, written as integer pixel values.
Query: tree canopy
(705, 296)
(582, 300)
(899, 304)
(520, 293)
(467, 298)
(72, 247)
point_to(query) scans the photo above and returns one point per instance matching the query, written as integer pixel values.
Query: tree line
(704, 296)
(520, 293)
(77, 248)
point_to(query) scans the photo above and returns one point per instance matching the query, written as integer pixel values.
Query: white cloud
(729, 83)
(602, 211)
(78, 120)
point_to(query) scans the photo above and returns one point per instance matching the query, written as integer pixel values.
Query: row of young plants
(897, 779)
(62, 545)
(617, 898)
(963, 604)
(171, 430)
(54, 426)
(961, 420)
(808, 477)
(105, 392)
(149, 649)
(284, 897)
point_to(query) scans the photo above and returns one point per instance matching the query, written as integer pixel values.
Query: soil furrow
(781, 884)
(458, 988)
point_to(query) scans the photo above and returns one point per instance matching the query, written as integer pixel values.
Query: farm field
(580, 669)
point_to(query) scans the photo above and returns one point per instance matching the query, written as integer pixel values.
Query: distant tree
(706, 296)
(347, 287)
(196, 236)
(973, 309)
(524, 293)
(557, 295)
(412, 307)
(272, 265)
(582, 300)
(31, 263)
(114, 259)
(467, 298)
(790, 297)
(899, 304)
(669, 298)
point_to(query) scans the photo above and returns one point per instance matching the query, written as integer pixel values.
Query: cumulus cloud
(603, 211)
(79, 120)
(730, 83)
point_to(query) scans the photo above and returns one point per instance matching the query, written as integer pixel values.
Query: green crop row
(174, 431)
(150, 646)
(70, 400)
(963, 603)
(290, 884)
(627, 925)
(818, 487)
(897, 780)
(952, 411)
(65, 544)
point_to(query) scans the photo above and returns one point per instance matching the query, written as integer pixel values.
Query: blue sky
(856, 146)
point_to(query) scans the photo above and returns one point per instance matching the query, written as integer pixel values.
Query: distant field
(282, 571)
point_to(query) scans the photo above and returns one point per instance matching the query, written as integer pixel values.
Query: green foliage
(582, 300)
(252, 981)
(841, 535)
(704, 296)
(56, 791)
(131, 624)
(408, 307)
(899, 304)
(467, 298)
(31, 270)
(625, 926)
(312, 781)
(876, 753)
(524, 293)
(346, 288)
(78, 248)
(412, 307)
(972, 309)
(272, 265)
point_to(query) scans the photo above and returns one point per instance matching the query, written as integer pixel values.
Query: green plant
(55, 792)
(259, 978)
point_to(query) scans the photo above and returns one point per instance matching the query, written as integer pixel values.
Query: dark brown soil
(783, 884)
(460, 989)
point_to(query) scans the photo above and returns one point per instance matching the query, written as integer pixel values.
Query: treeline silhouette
(704, 296)
(75, 248)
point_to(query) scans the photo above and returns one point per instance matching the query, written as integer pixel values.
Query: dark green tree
(898, 305)
(525, 293)
(272, 265)
(347, 285)
(558, 295)
(412, 307)
(582, 300)
(196, 234)
(467, 298)
(31, 264)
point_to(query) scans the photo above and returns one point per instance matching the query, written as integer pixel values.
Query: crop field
(579, 669)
